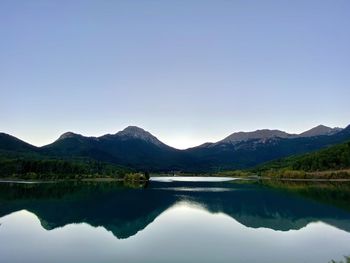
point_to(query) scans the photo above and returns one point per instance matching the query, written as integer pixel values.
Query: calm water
(174, 221)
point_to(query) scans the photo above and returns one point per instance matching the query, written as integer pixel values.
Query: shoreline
(8, 180)
(104, 180)
(305, 179)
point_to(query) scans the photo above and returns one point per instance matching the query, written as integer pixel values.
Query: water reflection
(208, 222)
(125, 211)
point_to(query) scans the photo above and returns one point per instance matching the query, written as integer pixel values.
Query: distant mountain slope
(266, 134)
(73, 145)
(11, 143)
(245, 154)
(259, 134)
(319, 130)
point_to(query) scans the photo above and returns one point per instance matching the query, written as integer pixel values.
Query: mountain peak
(139, 133)
(68, 135)
(322, 126)
(258, 134)
(320, 130)
(133, 129)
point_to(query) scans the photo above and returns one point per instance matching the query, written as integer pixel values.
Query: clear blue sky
(187, 71)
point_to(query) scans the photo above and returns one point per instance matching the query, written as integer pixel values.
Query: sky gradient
(187, 71)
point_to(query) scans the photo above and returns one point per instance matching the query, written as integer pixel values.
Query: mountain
(268, 134)
(225, 155)
(11, 143)
(68, 135)
(70, 145)
(133, 132)
(138, 149)
(258, 134)
(133, 147)
(320, 130)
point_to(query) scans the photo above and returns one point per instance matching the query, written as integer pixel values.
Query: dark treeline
(33, 168)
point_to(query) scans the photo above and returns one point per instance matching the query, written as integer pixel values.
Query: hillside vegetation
(34, 168)
(332, 162)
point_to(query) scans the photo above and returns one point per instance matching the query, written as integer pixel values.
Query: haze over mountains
(137, 148)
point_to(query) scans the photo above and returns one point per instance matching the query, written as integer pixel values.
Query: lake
(175, 220)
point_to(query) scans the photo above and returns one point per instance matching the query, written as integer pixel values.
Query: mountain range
(139, 149)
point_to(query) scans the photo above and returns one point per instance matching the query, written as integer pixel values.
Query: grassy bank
(299, 174)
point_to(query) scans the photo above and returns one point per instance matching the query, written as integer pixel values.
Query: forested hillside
(332, 160)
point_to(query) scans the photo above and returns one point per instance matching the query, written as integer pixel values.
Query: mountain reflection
(125, 210)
